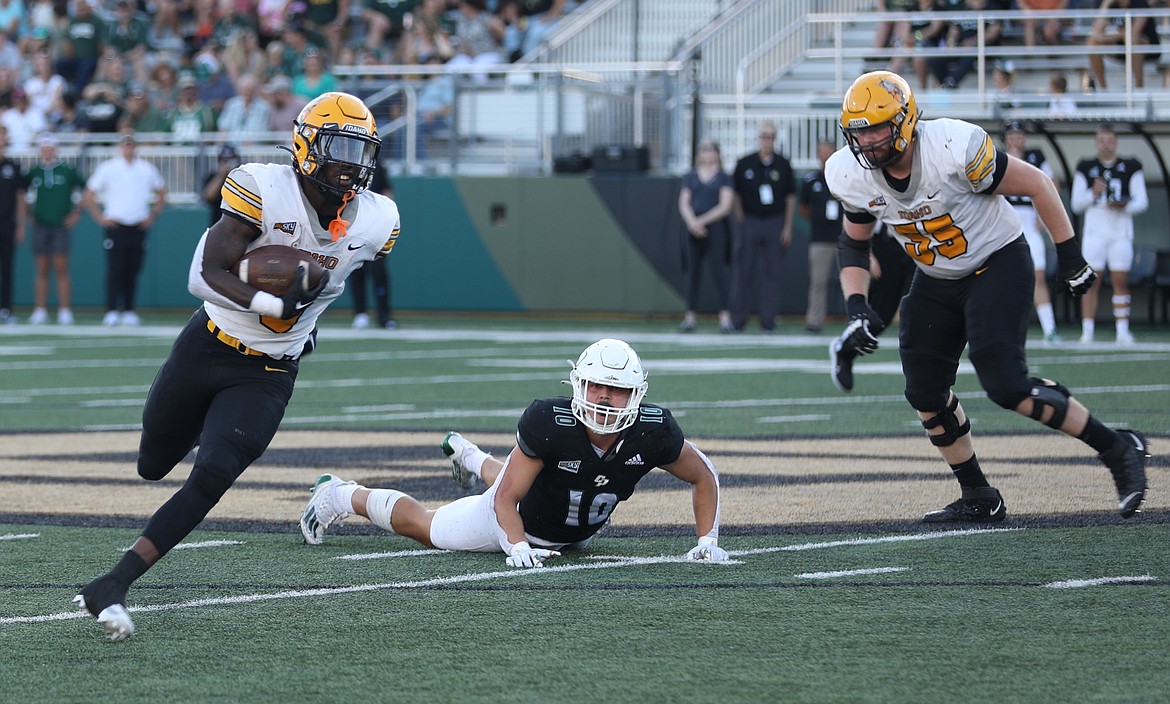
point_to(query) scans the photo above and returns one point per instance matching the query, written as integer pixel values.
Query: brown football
(272, 267)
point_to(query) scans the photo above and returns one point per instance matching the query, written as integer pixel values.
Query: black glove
(297, 298)
(1077, 274)
(860, 335)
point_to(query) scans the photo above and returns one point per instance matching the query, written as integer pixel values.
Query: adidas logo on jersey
(636, 459)
(569, 465)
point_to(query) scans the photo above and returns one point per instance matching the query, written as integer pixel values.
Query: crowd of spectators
(190, 67)
(941, 69)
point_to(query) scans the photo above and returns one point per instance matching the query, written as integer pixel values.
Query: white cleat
(321, 512)
(456, 447)
(114, 619)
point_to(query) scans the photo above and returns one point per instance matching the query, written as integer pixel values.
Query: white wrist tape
(265, 303)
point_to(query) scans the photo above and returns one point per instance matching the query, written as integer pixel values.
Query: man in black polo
(13, 215)
(765, 202)
(823, 213)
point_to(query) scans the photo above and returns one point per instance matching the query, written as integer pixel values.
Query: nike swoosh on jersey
(934, 195)
(274, 369)
(351, 247)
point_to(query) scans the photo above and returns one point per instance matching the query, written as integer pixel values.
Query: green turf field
(1047, 608)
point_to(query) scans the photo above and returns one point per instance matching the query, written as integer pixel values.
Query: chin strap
(337, 228)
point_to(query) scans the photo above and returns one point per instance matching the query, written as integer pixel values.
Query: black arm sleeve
(850, 252)
(1001, 162)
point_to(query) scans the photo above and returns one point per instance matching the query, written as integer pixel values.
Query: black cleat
(105, 600)
(991, 510)
(841, 365)
(1126, 461)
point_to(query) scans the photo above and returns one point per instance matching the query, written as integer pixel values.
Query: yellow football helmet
(336, 129)
(879, 99)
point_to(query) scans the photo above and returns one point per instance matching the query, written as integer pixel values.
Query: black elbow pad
(851, 252)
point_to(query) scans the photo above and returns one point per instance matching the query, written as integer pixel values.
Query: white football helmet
(607, 362)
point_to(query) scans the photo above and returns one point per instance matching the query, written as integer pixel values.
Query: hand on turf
(524, 555)
(297, 298)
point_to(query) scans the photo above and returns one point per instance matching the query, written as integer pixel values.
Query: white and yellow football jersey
(945, 220)
(269, 197)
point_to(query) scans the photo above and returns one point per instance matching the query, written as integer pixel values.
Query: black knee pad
(1008, 393)
(926, 403)
(156, 458)
(1055, 385)
(949, 421)
(1049, 395)
(151, 469)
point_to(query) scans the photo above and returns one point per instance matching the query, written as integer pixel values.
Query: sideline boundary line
(477, 577)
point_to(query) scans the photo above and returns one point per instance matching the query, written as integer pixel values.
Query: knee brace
(380, 506)
(1049, 394)
(949, 421)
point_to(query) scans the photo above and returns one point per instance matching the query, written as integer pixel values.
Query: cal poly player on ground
(938, 186)
(231, 371)
(575, 460)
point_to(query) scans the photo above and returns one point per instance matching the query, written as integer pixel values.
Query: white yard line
(19, 536)
(207, 544)
(850, 573)
(384, 555)
(602, 563)
(1100, 581)
(875, 541)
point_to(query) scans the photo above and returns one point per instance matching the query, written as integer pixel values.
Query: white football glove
(708, 550)
(524, 555)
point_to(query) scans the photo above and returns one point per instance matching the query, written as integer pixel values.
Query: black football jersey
(1035, 157)
(1116, 176)
(576, 491)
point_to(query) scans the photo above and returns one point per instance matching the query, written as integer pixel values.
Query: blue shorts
(49, 239)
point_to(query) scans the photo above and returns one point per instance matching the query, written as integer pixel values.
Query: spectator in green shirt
(385, 20)
(128, 38)
(139, 113)
(55, 189)
(191, 117)
(81, 46)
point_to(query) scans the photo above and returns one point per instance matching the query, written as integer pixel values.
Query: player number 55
(932, 237)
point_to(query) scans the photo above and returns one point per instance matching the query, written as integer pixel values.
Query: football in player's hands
(272, 268)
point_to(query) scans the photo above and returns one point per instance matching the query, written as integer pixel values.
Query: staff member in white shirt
(132, 195)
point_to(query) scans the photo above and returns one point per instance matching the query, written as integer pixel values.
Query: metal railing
(519, 118)
(626, 30)
(841, 56)
(754, 42)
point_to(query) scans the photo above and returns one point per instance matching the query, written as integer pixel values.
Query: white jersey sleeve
(946, 218)
(269, 197)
